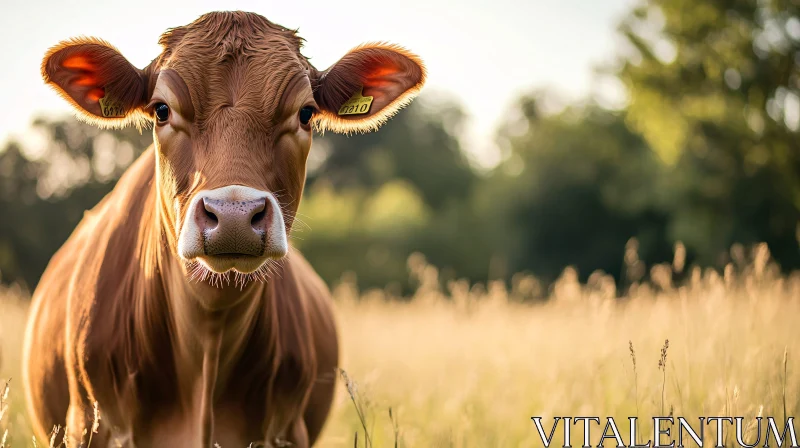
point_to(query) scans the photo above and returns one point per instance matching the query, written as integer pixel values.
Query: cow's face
(233, 104)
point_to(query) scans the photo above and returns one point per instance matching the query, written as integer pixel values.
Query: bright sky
(482, 53)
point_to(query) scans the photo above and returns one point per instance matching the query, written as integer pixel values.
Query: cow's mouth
(231, 269)
(235, 256)
(232, 262)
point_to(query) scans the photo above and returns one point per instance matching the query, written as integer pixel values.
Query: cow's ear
(366, 87)
(102, 86)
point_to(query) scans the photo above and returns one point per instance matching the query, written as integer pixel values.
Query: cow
(177, 307)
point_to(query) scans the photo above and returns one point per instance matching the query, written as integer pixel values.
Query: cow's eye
(305, 115)
(162, 112)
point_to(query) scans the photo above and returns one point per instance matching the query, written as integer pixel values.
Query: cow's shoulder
(94, 274)
(75, 312)
(75, 267)
(102, 247)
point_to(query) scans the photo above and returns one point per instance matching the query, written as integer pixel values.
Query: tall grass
(468, 365)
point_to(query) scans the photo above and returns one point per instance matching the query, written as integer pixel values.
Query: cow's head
(233, 103)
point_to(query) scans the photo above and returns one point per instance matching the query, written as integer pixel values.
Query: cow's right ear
(102, 86)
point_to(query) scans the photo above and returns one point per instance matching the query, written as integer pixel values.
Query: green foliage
(578, 185)
(372, 200)
(46, 186)
(419, 145)
(714, 89)
(370, 234)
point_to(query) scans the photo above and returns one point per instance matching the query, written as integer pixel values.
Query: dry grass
(468, 366)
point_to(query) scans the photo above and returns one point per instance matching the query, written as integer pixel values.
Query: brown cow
(177, 304)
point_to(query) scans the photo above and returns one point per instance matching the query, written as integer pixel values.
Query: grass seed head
(662, 361)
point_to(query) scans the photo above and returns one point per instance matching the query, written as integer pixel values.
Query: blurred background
(551, 134)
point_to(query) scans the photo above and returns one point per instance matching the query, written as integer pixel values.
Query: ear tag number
(356, 105)
(111, 108)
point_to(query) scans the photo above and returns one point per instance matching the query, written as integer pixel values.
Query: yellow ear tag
(356, 105)
(111, 108)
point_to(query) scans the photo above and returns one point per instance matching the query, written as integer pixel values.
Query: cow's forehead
(233, 59)
(229, 33)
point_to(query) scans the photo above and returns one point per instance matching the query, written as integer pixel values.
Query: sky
(483, 54)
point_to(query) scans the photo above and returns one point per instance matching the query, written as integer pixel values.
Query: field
(469, 365)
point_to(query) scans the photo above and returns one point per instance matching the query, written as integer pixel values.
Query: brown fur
(173, 354)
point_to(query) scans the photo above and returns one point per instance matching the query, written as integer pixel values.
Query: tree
(45, 189)
(714, 89)
(419, 144)
(374, 199)
(575, 187)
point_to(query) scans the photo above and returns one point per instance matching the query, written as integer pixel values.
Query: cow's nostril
(235, 226)
(210, 215)
(258, 218)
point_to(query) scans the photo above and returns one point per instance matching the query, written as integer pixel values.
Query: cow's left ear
(366, 87)
(102, 86)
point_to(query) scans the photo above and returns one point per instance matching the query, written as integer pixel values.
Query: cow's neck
(211, 327)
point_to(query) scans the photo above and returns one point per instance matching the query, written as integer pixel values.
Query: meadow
(468, 365)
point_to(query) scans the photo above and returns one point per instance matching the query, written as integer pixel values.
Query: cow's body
(177, 304)
(101, 322)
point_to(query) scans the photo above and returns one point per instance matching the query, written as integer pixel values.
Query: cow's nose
(233, 228)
